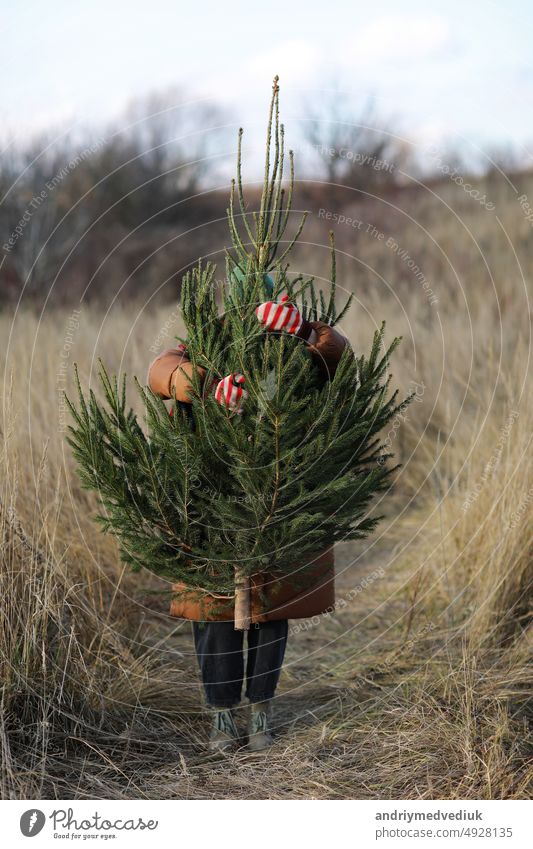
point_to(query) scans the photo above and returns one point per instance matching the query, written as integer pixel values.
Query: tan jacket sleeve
(328, 347)
(170, 375)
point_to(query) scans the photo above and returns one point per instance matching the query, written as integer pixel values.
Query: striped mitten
(283, 316)
(229, 392)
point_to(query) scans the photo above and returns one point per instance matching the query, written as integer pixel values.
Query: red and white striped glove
(229, 392)
(283, 316)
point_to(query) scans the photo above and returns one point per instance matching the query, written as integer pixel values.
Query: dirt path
(321, 711)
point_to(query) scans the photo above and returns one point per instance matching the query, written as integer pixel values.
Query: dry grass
(419, 685)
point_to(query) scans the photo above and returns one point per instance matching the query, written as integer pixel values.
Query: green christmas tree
(209, 497)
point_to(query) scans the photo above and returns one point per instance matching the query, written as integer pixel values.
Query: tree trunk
(243, 611)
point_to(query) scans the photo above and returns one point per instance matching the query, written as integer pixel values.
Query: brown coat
(271, 597)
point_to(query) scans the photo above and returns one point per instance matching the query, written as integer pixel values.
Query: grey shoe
(224, 735)
(259, 734)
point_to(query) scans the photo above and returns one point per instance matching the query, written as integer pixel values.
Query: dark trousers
(219, 649)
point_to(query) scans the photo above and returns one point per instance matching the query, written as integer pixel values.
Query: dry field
(419, 685)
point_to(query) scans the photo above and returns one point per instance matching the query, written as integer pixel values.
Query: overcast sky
(451, 69)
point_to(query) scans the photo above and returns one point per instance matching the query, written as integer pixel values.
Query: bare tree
(353, 149)
(188, 135)
(102, 203)
(39, 220)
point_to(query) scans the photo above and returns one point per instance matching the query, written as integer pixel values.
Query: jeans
(219, 649)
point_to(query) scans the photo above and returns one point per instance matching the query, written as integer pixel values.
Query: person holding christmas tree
(219, 644)
(273, 452)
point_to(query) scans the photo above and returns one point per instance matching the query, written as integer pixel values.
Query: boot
(224, 735)
(259, 734)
